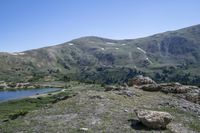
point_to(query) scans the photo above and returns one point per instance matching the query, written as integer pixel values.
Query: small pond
(6, 95)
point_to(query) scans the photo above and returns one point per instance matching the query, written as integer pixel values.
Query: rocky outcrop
(140, 80)
(154, 119)
(150, 87)
(193, 97)
(190, 93)
(174, 88)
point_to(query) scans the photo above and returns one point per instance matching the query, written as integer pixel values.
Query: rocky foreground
(143, 106)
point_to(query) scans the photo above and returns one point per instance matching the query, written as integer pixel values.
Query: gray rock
(150, 87)
(154, 119)
(190, 93)
(193, 97)
(140, 80)
(174, 88)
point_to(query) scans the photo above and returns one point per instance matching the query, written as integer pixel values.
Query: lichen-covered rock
(170, 84)
(190, 93)
(154, 119)
(193, 97)
(150, 87)
(140, 80)
(174, 88)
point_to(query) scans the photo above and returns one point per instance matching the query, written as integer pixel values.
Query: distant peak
(92, 38)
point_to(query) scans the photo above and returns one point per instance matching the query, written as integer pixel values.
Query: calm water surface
(17, 94)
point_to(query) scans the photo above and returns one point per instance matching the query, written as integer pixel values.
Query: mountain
(169, 56)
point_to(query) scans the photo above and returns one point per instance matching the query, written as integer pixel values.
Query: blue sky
(29, 24)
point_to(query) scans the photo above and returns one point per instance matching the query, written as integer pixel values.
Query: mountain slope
(167, 56)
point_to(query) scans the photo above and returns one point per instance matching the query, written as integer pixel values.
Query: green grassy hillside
(169, 56)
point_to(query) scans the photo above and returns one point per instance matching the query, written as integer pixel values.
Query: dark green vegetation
(170, 56)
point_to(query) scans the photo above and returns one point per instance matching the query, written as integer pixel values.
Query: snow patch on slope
(70, 44)
(16, 53)
(149, 60)
(110, 43)
(141, 50)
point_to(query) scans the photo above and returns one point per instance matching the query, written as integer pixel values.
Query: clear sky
(29, 24)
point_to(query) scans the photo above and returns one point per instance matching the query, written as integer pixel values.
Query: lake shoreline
(24, 105)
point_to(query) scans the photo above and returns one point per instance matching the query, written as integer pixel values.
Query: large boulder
(140, 80)
(153, 119)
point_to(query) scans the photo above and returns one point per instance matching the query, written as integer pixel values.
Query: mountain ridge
(164, 57)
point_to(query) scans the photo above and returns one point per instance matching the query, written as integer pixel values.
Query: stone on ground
(154, 119)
